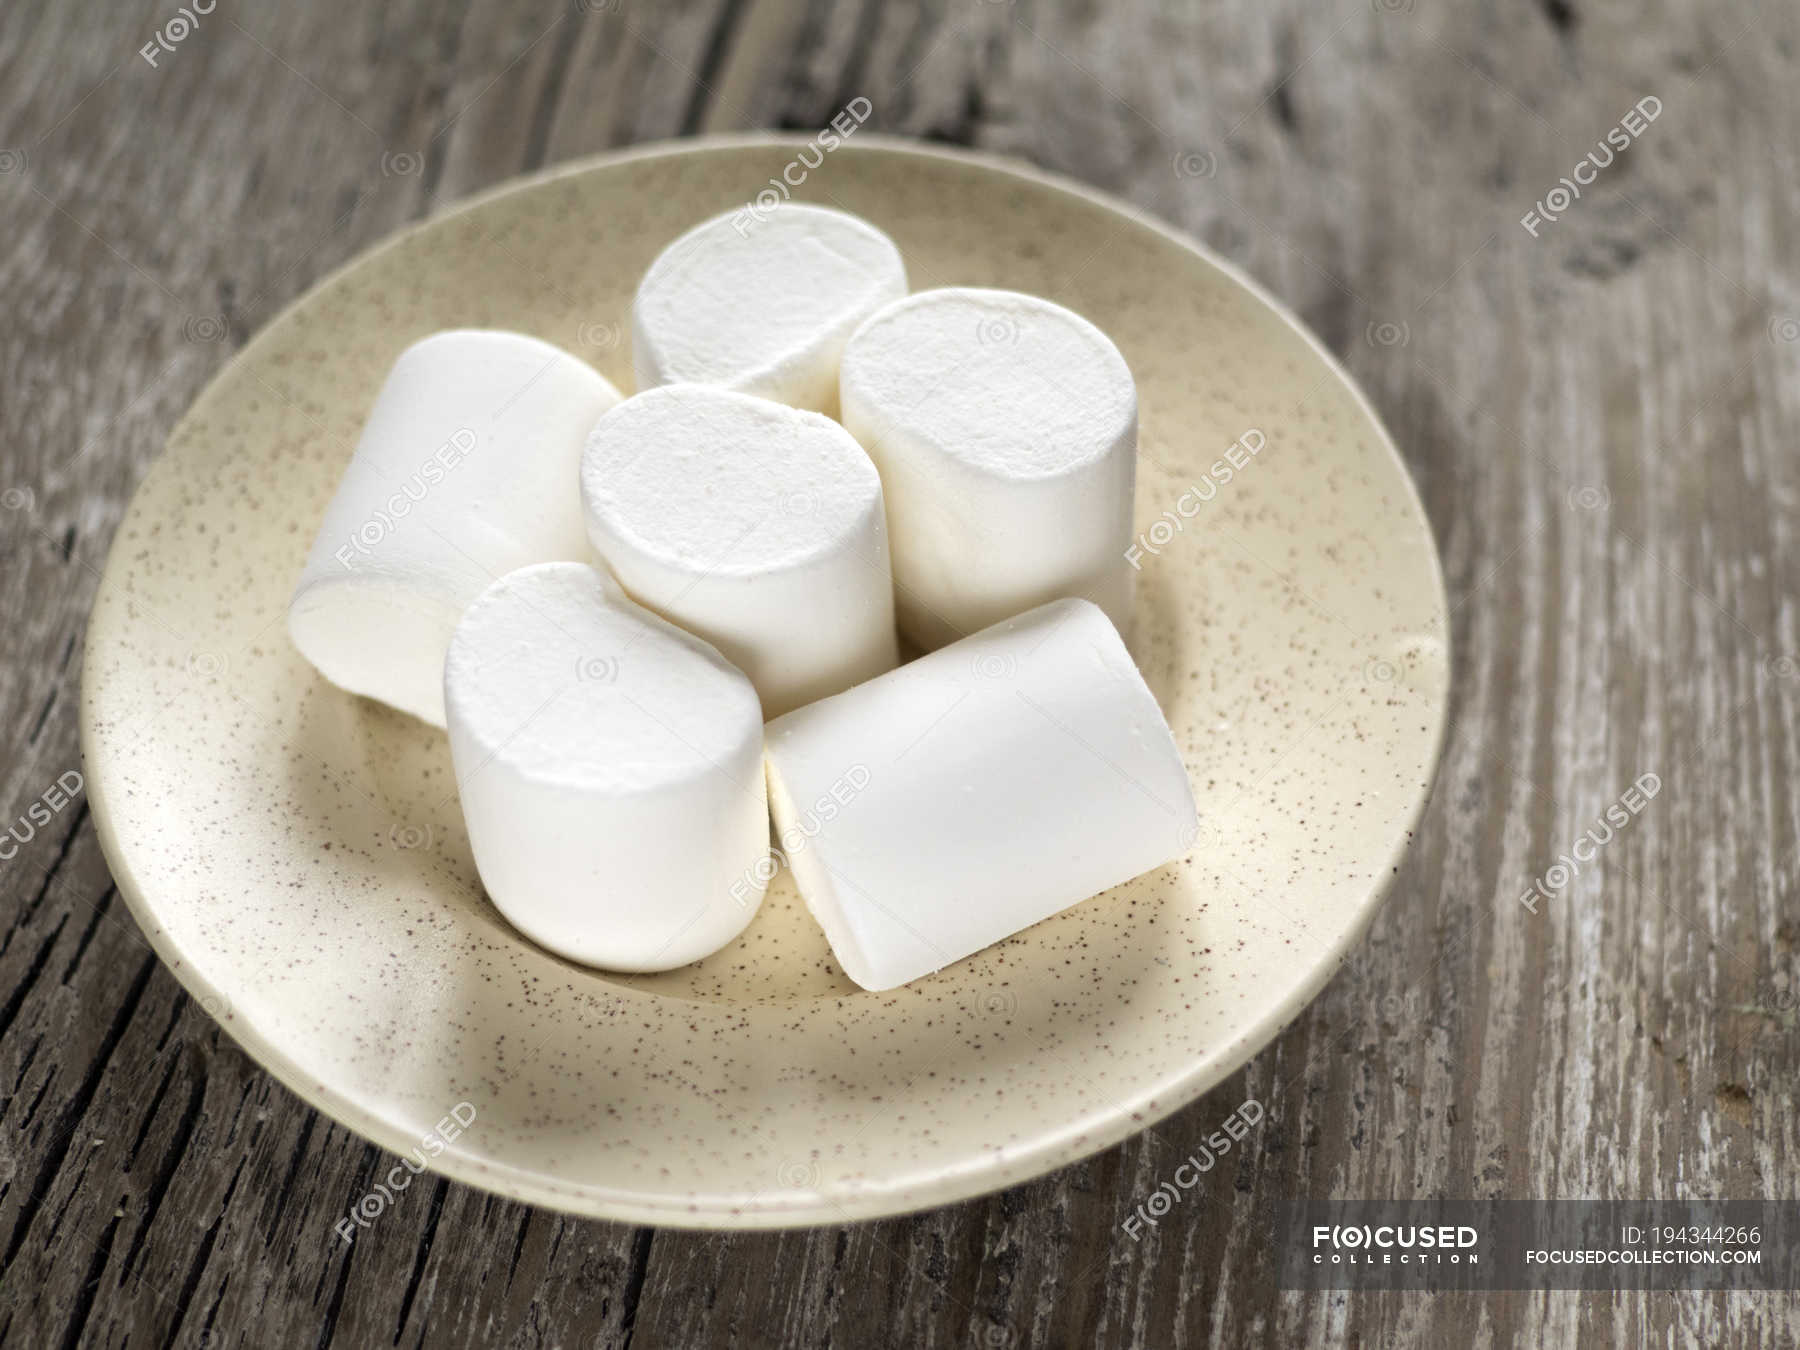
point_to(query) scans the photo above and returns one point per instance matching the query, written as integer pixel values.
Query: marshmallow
(764, 304)
(465, 471)
(975, 791)
(756, 526)
(1005, 429)
(610, 772)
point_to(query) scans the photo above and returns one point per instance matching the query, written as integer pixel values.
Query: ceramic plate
(298, 858)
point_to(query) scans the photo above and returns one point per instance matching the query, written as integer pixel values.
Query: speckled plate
(298, 858)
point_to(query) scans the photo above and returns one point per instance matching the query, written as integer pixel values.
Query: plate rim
(957, 1181)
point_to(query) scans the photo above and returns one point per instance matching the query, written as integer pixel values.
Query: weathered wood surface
(1602, 420)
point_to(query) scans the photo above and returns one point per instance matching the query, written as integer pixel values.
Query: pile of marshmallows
(814, 454)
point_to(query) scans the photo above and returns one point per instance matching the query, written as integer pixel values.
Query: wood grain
(1601, 418)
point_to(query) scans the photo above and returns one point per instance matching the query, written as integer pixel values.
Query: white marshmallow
(465, 471)
(1005, 429)
(759, 527)
(610, 772)
(763, 304)
(976, 791)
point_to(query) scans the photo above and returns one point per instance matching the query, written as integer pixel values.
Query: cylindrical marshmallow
(763, 302)
(975, 791)
(610, 772)
(757, 526)
(466, 470)
(1005, 429)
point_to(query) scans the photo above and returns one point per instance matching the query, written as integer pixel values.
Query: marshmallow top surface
(725, 484)
(1008, 383)
(754, 303)
(560, 676)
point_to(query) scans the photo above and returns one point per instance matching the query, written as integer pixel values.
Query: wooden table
(1601, 408)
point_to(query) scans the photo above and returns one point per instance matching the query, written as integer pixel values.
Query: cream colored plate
(298, 858)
